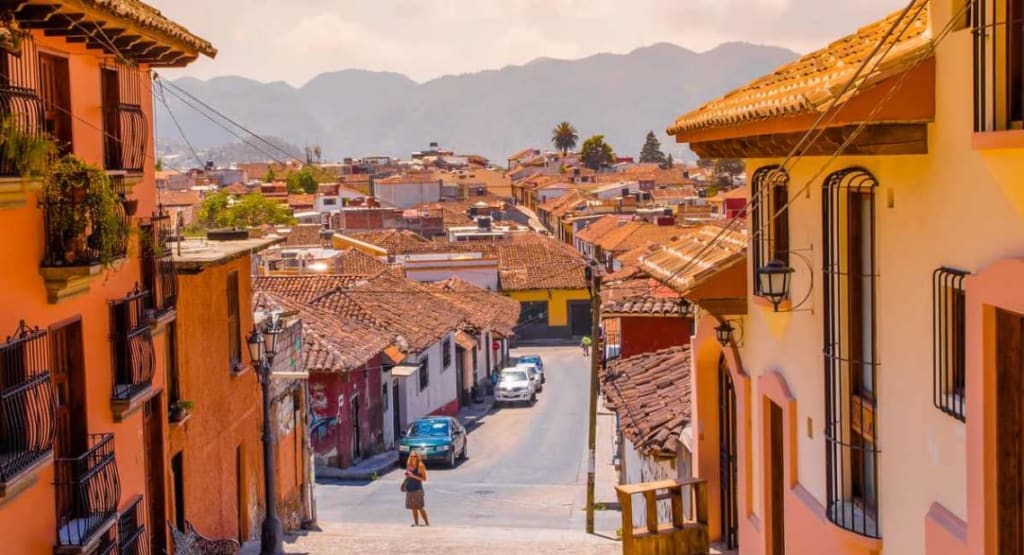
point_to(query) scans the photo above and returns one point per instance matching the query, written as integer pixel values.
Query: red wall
(332, 437)
(647, 334)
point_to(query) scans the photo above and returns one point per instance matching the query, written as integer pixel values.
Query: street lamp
(723, 332)
(262, 349)
(774, 281)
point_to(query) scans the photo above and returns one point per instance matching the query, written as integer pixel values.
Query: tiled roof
(330, 344)
(650, 393)
(481, 308)
(150, 18)
(305, 287)
(599, 228)
(303, 235)
(639, 234)
(810, 84)
(300, 200)
(697, 256)
(639, 297)
(357, 263)
(393, 240)
(180, 198)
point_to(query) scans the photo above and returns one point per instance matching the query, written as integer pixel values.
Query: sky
(294, 40)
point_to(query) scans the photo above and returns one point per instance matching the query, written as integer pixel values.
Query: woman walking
(415, 475)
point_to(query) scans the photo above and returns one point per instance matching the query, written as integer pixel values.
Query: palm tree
(564, 137)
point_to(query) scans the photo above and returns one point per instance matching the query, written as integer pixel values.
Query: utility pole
(595, 364)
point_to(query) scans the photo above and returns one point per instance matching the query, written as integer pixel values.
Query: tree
(302, 181)
(270, 176)
(564, 137)
(220, 210)
(669, 163)
(651, 153)
(596, 153)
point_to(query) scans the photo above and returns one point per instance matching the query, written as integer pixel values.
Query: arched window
(849, 276)
(769, 218)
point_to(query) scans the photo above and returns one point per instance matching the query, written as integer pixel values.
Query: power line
(163, 100)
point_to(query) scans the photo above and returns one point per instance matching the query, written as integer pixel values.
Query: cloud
(294, 40)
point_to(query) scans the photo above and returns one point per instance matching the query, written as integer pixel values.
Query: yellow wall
(558, 308)
(955, 207)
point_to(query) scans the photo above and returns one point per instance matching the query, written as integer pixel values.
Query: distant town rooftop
(194, 255)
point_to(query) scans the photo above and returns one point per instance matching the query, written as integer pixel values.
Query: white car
(536, 376)
(514, 384)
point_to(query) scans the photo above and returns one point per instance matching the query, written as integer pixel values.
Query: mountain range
(494, 113)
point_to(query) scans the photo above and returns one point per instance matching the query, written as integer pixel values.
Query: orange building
(88, 293)
(874, 405)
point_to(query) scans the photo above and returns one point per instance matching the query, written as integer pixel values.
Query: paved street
(523, 485)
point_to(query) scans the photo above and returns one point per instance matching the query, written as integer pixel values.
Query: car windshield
(533, 359)
(429, 428)
(532, 370)
(514, 376)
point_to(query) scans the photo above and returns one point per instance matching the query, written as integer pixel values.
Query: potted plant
(179, 410)
(83, 223)
(27, 154)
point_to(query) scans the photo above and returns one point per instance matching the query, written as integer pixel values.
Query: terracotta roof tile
(599, 228)
(150, 18)
(393, 240)
(357, 263)
(811, 83)
(696, 257)
(650, 393)
(639, 297)
(481, 308)
(305, 287)
(304, 235)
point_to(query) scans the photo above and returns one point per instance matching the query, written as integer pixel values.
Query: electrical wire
(192, 149)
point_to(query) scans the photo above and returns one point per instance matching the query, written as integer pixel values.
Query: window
(998, 64)
(769, 219)
(26, 402)
(234, 323)
(384, 397)
(330, 201)
(446, 353)
(424, 373)
(948, 334)
(850, 357)
(132, 355)
(173, 383)
(534, 311)
(55, 90)
(124, 124)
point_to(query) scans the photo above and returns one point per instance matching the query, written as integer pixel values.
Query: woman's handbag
(403, 484)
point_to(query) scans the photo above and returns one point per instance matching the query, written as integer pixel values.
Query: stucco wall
(647, 334)
(331, 396)
(440, 392)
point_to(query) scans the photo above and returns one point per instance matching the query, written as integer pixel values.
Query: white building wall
(485, 277)
(408, 195)
(441, 389)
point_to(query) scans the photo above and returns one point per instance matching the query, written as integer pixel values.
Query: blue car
(532, 359)
(436, 439)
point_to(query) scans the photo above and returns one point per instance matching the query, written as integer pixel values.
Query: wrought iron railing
(131, 530)
(998, 29)
(125, 146)
(88, 489)
(158, 273)
(949, 359)
(133, 357)
(26, 401)
(769, 219)
(20, 104)
(67, 245)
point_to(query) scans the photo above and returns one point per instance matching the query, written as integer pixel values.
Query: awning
(394, 354)
(404, 370)
(462, 339)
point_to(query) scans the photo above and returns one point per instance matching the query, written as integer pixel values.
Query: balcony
(158, 274)
(87, 489)
(26, 408)
(132, 354)
(131, 530)
(21, 110)
(125, 147)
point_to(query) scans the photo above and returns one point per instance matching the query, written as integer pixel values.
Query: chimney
(484, 222)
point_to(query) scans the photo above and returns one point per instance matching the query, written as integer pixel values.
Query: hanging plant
(28, 154)
(84, 223)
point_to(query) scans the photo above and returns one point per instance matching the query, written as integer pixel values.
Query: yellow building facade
(879, 408)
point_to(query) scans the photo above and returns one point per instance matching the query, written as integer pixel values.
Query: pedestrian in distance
(412, 485)
(585, 345)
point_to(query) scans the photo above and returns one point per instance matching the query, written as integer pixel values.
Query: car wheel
(451, 459)
(402, 462)
(465, 450)
(533, 398)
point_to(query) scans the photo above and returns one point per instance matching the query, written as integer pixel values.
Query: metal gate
(727, 455)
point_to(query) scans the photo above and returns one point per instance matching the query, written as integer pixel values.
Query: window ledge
(23, 480)
(66, 282)
(181, 421)
(131, 178)
(992, 140)
(123, 408)
(161, 320)
(14, 191)
(240, 370)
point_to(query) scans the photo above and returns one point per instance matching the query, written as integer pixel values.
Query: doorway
(153, 457)
(68, 359)
(178, 475)
(727, 455)
(395, 411)
(356, 451)
(776, 483)
(1009, 431)
(581, 318)
(55, 90)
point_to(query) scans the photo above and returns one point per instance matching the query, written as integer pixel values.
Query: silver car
(535, 374)
(515, 384)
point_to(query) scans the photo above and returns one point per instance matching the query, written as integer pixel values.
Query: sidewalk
(382, 463)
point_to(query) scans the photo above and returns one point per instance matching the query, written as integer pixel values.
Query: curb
(357, 473)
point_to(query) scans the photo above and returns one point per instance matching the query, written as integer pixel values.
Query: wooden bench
(682, 535)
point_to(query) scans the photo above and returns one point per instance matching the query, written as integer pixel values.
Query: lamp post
(262, 348)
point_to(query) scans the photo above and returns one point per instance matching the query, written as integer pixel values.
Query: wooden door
(55, 90)
(1010, 431)
(109, 89)
(356, 451)
(68, 374)
(153, 457)
(395, 411)
(776, 486)
(727, 455)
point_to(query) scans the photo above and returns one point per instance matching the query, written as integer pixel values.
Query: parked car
(435, 438)
(535, 376)
(535, 359)
(535, 363)
(514, 384)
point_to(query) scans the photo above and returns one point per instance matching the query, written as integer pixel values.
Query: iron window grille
(234, 324)
(20, 104)
(424, 373)
(850, 355)
(134, 358)
(998, 29)
(131, 530)
(27, 401)
(948, 335)
(769, 219)
(124, 124)
(88, 489)
(446, 353)
(158, 274)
